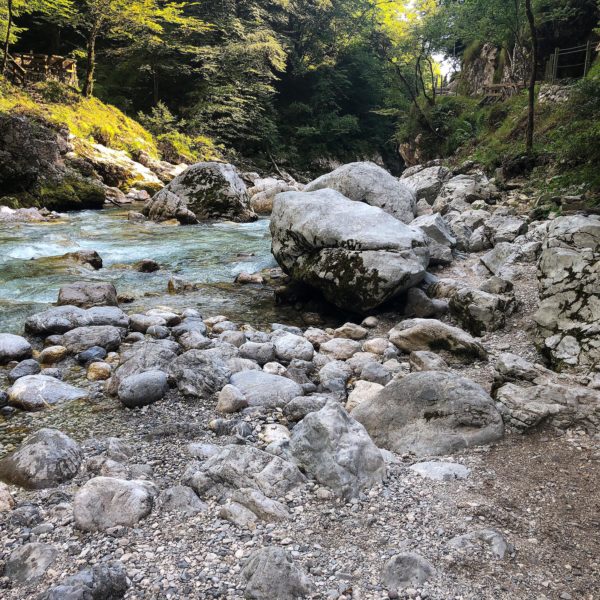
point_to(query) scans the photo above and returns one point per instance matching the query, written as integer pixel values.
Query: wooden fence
(23, 69)
(570, 63)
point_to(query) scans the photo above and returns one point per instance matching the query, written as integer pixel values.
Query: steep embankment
(65, 152)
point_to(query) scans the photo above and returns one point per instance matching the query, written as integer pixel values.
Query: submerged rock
(85, 294)
(36, 392)
(207, 190)
(357, 255)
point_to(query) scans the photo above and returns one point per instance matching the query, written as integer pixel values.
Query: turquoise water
(204, 254)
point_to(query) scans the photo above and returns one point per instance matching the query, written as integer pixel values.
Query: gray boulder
(28, 563)
(271, 573)
(236, 467)
(105, 502)
(206, 190)
(462, 190)
(406, 570)
(290, 346)
(64, 318)
(143, 388)
(440, 238)
(199, 373)
(337, 451)
(104, 581)
(299, 407)
(430, 413)
(45, 459)
(482, 541)
(426, 183)
(148, 355)
(357, 255)
(36, 392)
(181, 499)
(25, 367)
(263, 389)
(81, 338)
(87, 294)
(13, 347)
(261, 352)
(367, 182)
(479, 311)
(431, 334)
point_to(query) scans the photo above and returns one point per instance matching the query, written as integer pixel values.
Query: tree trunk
(7, 38)
(90, 65)
(534, 58)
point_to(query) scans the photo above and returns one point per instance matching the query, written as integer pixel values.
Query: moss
(177, 147)
(70, 193)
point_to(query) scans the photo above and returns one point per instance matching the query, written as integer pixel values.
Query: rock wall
(568, 317)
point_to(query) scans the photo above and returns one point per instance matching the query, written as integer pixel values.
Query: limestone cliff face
(492, 65)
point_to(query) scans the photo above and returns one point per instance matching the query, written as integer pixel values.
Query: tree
(123, 19)
(12, 9)
(532, 78)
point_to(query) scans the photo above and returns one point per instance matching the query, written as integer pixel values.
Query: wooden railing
(570, 63)
(23, 69)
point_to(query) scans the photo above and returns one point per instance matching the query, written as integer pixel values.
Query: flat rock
(264, 389)
(36, 392)
(82, 338)
(441, 471)
(430, 413)
(87, 294)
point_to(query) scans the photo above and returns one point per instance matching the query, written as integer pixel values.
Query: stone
(262, 389)
(334, 376)
(370, 322)
(418, 304)
(426, 183)
(430, 413)
(479, 311)
(511, 367)
(376, 346)
(310, 234)
(87, 294)
(146, 265)
(363, 390)
(431, 334)
(30, 562)
(199, 373)
(351, 331)
(497, 285)
(142, 323)
(290, 346)
(275, 368)
(500, 260)
(52, 355)
(25, 367)
(337, 451)
(297, 408)
(7, 502)
(441, 471)
(264, 508)
(235, 338)
(464, 189)
(105, 502)
(36, 392)
(271, 573)
(104, 581)
(160, 332)
(504, 228)
(93, 354)
(231, 400)
(422, 360)
(235, 467)
(261, 352)
(441, 239)
(13, 347)
(82, 338)
(44, 459)
(182, 500)
(206, 190)
(483, 540)
(340, 348)
(558, 405)
(376, 373)
(142, 389)
(369, 183)
(568, 316)
(406, 570)
(98, 371)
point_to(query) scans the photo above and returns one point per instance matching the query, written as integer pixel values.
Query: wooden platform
(23, 69)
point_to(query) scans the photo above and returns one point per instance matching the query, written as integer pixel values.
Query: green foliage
(177, 147)
(161, 120)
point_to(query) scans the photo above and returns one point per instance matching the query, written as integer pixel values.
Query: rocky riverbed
(425, 450)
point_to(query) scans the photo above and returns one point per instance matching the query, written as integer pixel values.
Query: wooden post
(588, 58)
(555, 64)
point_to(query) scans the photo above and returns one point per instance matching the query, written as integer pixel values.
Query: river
(207, 254)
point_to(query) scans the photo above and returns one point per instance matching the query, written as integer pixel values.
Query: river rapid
(208, 255)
